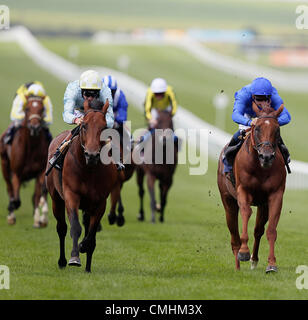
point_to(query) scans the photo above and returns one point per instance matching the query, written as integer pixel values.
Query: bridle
(258, 146)
(80, 127)
(33, 116)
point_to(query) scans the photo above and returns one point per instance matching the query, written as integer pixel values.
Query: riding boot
(234, 146)
(284, 151)
(58, 157)
(285, 154)
(8, 137)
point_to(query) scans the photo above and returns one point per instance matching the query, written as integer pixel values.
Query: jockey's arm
(69, 102)
(122, 109)
(284, 117)
(148, 104)
(17, 112)
(106, 94)
(172, 100)
(48, 118)
(239, 109)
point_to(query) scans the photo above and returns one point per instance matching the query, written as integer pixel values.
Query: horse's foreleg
(244, 201)
(151, 188)
(58, 209)
(88, 244)
(163, 187)
(72, 205)
(15, 200)
(114, 196)
(6, 171)
(140, 177)
(40, 202)
(231, 209)
(120, 218)
(275, 206)
(261, 219)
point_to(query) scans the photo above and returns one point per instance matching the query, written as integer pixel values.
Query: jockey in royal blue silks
(260, 91)
(120, 106)
(119, 101)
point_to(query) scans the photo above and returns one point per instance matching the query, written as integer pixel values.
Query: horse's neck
(77, 152)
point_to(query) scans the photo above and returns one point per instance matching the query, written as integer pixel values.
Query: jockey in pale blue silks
(88, 87)
(259, 91)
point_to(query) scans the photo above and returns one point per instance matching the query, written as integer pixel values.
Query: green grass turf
(187, 257)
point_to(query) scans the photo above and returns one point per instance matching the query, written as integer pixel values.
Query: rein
(79, 131)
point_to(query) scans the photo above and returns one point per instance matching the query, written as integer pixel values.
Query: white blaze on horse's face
(35, 104)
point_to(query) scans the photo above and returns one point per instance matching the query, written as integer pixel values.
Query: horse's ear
(256, 109)
(106, 106)
(86, 105)
(277, 112)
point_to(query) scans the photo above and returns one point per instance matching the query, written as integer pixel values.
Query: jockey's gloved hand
(116, 125)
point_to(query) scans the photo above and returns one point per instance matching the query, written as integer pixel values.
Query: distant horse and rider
(257, 165)
(24, 149)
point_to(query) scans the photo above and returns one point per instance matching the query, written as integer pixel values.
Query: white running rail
(135, 91)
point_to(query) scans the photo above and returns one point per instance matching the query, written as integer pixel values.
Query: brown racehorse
(260, 181)
(84, 183)
(162, 171)
(25, 159)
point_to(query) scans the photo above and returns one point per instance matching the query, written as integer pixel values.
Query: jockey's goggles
(262, 98)
(90, 93)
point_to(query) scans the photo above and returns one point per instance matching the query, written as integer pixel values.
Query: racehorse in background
(84, 183)
(260, 176)
(167, 143)
(25, 159)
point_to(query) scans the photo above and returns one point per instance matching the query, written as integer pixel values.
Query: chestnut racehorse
(162, 171)
(26, 159)
(84, 183)
(260, 176)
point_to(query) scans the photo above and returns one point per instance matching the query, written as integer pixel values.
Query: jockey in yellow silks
(159, 96)
(31, 89)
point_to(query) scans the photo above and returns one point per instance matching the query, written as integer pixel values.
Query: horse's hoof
(120, 221)
(36, 225)
(161, 219)
(43, 224)
(62, 263)
(11, 219)
(253, 264)
(75, 262)
(140, 217)
(243, 256)
(271, 269)
(112, 218)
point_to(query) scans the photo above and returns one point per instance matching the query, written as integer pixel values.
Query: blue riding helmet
(261, 87)
(110, 82)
